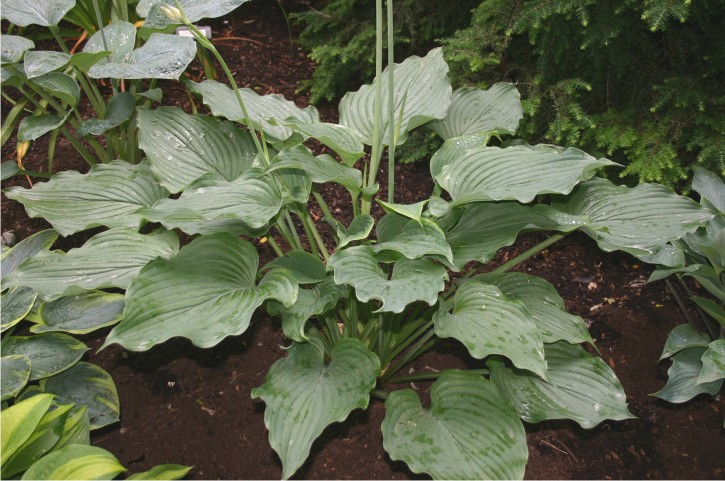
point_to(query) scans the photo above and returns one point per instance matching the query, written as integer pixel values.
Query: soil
(182, 404)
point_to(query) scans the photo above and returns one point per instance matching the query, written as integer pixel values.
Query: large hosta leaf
(410, 281)
(16, 304)
(118, 38)
(305, 267)
(470, 430)
(411, 238)
(119, 110)
(20, 420)
(13, 47)
(206, 293)
(162, 471)
(579, 387)
(321, 169)
(87, 385)
(544, 304)
(184, 147)
(108, 195)
(14, 373)
(38, 12)
(49, 353)
(422, 93)
(37, 63)
(711, 188)
(193, 9)
(60, 85)
(484, 228)
(337, 137)
(262, 109)
(76, 461)
(639, 220)
(488, 322)
(78, 314)
(26, 249)
(474, 111)
(519, 172)
(683, 337)
(682, 382)
(109, 259)
(161, 57)
(713, 363)
(35, 126)
(304, 394)
(359, 229)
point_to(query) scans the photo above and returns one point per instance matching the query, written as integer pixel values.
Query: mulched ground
(186, 405)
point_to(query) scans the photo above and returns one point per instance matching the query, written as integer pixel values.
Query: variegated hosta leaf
(109, 259)
(193, 9)
(411, 238)
(35, 12)
(545, 306)
(16, 304)
(205, 293)
(410, 281)
(470, 430)
(422, 93)
(580, 387)
(304, 394)
(713, 363)
(206, 206)
(359, 229)
(120, 40)
(305, 267)
(682, 382)
(519, 172)
(320, 169)
(223, 103)
(86, 385)
(13, 47)
(37, 63)
(108, 195)
(78, 314)
(339, 138)
(682, 337)
(76, 461)
(474, 111)
(161, 57)
(484, 228)
(638, 220)
(20, 420)
(26, 249)
(310, 303)
(162, 471)
(184, 147)
(49, 353)
(488, 322)
(14, 375)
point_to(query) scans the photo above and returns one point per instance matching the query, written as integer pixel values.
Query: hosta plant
(364, 305)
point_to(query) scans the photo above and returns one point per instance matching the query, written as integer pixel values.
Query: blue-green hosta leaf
(520, 172)
(35, 126)
(193, 9)
(544, 304)
(310, 303)
(710, 242)
(25, 249)
(410, 281)
(713, 363)
(163, 56)
(90, 386)
(414, 239)
(475, 111)
(580, 387)
(76, 461)
(49, 353)
(16, 304)
(35, 12)
(470, 430)
(711, 307)
(488, 322)
(211, 279)
(339, 138)
(37, 63)
(638, 220)
(359, 229)
(109, 195)
(247, 200)
(78, 314)
(120, 39)
(20, 420)
(305, 267)
(119, 109)
(682, 382)
(484, 228)
(109, 259)
(711, 188)
(162, 471)
(13, 47)
(8, 168)
(184, 147)
(411, 211)
(422, 93)
(304, 394)
(15, 374)
(454, 148)
(85, 60)
(682, 337)
(320, 169)
(261, 108)
(60, 85)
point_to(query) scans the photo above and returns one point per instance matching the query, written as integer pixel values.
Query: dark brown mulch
(186, 405)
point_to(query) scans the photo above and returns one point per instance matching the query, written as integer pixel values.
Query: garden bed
(193, 406)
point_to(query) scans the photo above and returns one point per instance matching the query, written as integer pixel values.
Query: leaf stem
(391, 105)
(507, 266)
